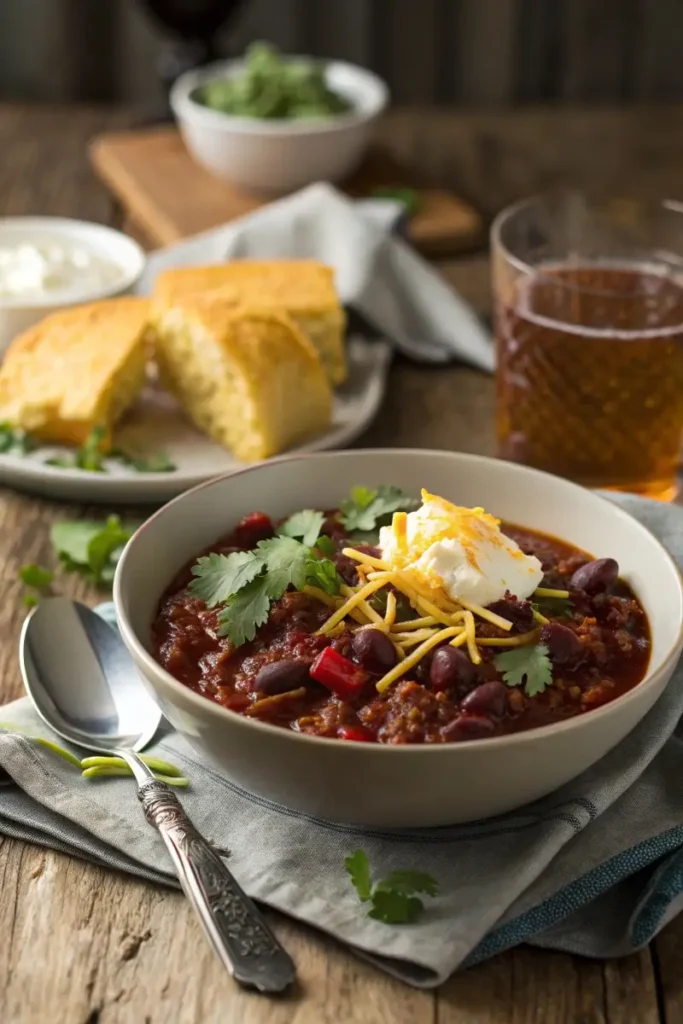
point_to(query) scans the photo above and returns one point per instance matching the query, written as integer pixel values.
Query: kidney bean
(373, 650)
(450, 667)
(563, 645)
(280, 676)
(519, 613)
(467, 727)
(486, 699)
(595, 577)
(347, 569)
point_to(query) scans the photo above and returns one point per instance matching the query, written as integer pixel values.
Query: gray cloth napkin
(596, 868)
(378, 275)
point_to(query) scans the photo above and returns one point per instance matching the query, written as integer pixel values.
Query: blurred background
(483, 52)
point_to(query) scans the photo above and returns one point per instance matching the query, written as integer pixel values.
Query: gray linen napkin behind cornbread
(595, 868)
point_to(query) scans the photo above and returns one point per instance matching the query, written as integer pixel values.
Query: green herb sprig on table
(247, 582)
(395, 899)
(91, 547)
(366, 510)
(530, 666)
(407, 197)
(38, 582)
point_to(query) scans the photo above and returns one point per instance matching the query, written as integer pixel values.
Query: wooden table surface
(79, 945)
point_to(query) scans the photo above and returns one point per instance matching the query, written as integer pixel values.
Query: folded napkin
(596, 868)
(378, 275)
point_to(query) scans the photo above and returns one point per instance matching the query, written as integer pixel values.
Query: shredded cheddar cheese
(412, 659)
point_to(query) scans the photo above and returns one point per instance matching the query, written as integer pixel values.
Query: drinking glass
(589, 334)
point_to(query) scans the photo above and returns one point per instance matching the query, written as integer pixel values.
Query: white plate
(157, 425)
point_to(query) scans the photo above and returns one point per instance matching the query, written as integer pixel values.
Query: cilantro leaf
(367, 509)
(358, 868)
(15, 441)
(528, 665)
(90, 456)
(91, 548)
(326, 546)
(304, 525)
(395, 907)
(158, 462)
(244, 613)
(321, 572)
(247, 581)
(218, 577)
(394, 899)
(33, 575)
(554, 607)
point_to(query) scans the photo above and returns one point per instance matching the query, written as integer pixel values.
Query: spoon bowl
(85, 686)
(82, 680)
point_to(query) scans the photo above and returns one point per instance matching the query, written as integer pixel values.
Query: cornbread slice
(302, 288)
(251, 379)
(76, 370)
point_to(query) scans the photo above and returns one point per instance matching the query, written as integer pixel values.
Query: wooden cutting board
(171, 197)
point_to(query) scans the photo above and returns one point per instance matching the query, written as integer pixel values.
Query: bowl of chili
(288, 623)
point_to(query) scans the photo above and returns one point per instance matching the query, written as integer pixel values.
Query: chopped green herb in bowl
(273, 87)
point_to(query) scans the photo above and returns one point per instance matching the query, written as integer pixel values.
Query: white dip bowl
(112, 264)
(385, 785)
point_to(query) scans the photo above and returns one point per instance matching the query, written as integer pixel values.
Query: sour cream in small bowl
(48, 263)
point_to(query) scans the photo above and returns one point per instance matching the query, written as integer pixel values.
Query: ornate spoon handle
(238, 932)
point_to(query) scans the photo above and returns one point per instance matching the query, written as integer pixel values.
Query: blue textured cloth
(596, 868)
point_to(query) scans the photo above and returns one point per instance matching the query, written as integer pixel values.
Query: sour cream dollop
(460, 550)
(52, 267)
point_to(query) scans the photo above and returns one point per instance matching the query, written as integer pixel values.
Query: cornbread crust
(77, 369)
(302, 288)
(249, 378)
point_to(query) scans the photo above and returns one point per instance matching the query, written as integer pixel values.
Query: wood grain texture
(79, 945)
(171, 196)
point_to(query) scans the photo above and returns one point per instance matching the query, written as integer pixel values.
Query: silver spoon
(84, 685)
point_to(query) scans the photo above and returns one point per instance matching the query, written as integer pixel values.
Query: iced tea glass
(589, 334)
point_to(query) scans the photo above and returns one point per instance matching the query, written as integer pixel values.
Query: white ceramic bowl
(374, 784)
(279, 156)
(16, 315)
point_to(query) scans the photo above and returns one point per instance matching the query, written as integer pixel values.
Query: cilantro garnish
(156, 463)
(408, 197)
(14, 441)
(394, 899)
(91, 548)
(554, 607)
(530, 665)
(326, 546)
(93, 454)
(246, 582)
(366, 509)
(304, 525)
(38, 580)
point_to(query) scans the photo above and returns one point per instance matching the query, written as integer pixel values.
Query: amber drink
(589, 334)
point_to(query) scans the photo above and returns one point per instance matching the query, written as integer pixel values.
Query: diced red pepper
(355, 732)
(338, 674)
(252, 528)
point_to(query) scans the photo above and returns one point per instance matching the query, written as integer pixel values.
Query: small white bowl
(370, 783)
(17, 314)
(278, 156)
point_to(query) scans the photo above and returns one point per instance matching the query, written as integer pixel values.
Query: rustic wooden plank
(668, 956)
(598, 40)
(480, 49)
(527, 987)
(343, 31)
(406, 45)
(658, 57)
(631, 990)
